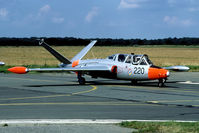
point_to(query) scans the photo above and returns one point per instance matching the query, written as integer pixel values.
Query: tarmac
(58, 96)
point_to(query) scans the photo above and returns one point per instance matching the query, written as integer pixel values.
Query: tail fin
(84, 51)
(64, 60)
(54, 53)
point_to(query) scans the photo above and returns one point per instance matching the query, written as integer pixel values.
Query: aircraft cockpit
(133, 59)
(139, 60)
(118, 57)
(122, 57)
(112, 57)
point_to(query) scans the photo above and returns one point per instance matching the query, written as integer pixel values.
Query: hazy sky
(150, 19)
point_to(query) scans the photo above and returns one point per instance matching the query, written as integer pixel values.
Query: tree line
(70, 41)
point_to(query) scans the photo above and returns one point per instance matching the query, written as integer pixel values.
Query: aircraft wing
(23, 70)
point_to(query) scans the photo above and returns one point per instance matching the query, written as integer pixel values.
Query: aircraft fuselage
(124, 71)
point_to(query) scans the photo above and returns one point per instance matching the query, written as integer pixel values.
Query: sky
(128, 19)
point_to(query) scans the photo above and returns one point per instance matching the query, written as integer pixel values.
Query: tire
(134, 82)
(161, 83)
(82, 81)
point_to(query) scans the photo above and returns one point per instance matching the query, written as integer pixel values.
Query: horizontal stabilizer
(54, 53)
(177, 68)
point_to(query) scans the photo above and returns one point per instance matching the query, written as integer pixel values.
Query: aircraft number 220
(138, 70)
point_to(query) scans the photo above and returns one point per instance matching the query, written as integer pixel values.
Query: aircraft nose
(164, 73)
(157, 73)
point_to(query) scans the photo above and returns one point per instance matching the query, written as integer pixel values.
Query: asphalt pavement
(58, 96)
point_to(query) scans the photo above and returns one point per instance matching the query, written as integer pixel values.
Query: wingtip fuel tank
(18, 70)
(177, 68)
(2, 63)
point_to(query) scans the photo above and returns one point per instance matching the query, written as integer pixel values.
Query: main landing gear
(134, 82)
(161, 82)
(81, 79)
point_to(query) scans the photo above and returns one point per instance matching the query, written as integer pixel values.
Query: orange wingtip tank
(18, 70)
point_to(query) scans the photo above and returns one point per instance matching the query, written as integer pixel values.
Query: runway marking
(173, 101)
(38, 80)
(50, 96)
(189, 82)
(195, 105)
(37, 97)
(78, 121)
(81, 103)
(30, 79)
(81, 92)
(162, 89)
(150, 88)
(94, 88)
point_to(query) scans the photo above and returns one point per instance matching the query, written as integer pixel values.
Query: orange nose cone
(156, 73)
(18, 70)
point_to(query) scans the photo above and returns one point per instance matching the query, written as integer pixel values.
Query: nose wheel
(161, 82)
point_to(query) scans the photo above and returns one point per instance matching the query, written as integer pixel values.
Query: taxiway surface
(58, 96)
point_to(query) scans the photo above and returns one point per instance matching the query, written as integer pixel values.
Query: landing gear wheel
(82, 81)
(161, 82)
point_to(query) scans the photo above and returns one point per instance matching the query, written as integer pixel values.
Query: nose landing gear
(161, 82)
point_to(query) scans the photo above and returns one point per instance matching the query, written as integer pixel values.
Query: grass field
(163, 127)
(160, 55)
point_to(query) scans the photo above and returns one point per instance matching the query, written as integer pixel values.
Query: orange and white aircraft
(118, 66)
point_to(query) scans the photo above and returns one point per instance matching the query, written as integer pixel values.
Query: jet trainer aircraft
(118, 66)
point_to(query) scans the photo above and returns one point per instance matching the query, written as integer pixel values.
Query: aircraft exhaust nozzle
(18, 70)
